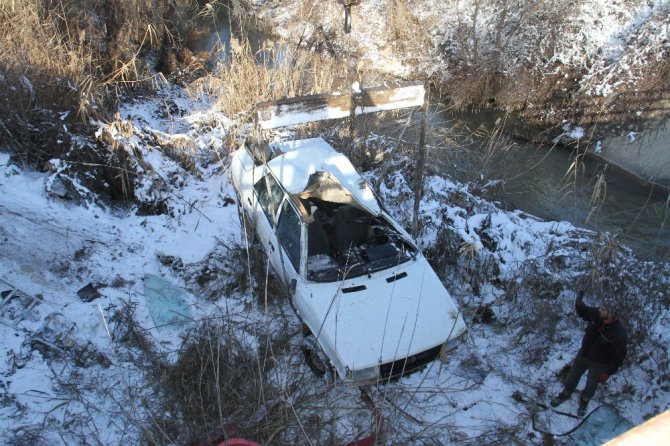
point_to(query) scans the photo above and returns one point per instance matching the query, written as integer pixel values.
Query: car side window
(288, 233)
(269, 196)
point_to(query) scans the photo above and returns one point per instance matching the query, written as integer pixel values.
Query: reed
(245, 78)
(65, 62)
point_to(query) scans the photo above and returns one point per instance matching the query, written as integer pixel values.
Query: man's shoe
(583, 405)
(559, 399)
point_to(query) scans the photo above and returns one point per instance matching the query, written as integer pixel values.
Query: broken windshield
(345, 241)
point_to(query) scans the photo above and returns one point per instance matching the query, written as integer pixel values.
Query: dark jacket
(605, 344)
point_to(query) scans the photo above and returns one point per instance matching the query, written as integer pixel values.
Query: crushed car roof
(301, 159)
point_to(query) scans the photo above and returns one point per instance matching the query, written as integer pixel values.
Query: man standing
(602, 353)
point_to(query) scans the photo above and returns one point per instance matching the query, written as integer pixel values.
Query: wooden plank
(651, 432)
(319, 107)
(12, 291)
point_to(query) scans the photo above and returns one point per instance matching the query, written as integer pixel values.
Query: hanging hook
(347, 13)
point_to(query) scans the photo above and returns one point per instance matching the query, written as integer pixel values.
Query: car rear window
(288, 233)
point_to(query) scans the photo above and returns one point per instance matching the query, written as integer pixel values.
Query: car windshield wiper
(364, 264)
(402, 245)
(349, 271)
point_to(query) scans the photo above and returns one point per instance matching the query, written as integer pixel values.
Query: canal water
(555, 182)
(225, 29)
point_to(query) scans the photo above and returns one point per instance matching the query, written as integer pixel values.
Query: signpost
(319, 107)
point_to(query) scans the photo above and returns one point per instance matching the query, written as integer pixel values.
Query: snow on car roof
(304, 157)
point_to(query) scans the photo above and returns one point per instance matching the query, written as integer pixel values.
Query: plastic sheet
(166, 303)
(603, 425)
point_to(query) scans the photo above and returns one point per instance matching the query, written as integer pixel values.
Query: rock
(88, 293)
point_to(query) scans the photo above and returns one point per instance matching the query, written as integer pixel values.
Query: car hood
(368, 321)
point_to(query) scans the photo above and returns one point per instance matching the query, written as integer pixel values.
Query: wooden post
(420, 164)
(356, 102)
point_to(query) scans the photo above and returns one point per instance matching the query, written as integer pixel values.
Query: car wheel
(315, 358)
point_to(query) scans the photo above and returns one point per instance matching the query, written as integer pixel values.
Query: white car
(356, 278)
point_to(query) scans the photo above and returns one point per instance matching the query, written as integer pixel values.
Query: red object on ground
(238, 442)
(367, 441)
(378, 423)
(217, 436)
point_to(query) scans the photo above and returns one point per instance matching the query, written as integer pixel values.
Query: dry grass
(408, 33)
(63, 62)
(598, 195)
(242, 82)
(58, 47)
(219, 379)
(127, 331)
(33, 44)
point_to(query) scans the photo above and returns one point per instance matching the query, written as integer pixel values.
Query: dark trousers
(579, 366)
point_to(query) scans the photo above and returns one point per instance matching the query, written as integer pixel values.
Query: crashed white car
(357, 280)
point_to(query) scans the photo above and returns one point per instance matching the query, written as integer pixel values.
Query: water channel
(541, 180)
(225, 29)
(538, 179)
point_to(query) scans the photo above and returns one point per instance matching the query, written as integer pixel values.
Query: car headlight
(451, 345)
(362, 375)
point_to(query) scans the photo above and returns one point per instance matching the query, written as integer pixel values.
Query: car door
(278, 227)
(289, 232)
(269, 196)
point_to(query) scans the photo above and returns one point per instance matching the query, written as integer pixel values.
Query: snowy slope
(66, 376)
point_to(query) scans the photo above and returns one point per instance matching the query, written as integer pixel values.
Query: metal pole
(420, 164)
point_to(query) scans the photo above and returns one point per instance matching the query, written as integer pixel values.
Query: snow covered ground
(611, 40)
(67, 377)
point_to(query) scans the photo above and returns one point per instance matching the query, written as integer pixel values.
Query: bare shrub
(226, 270)
(218, 378)
(606, 272)
(444, 253)
(127, 331)
(539, 283)
(519, 56)
(476, 265)
(532, 299)
(466, 261)
(498, 46)
(636, 79)
(408, 33)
